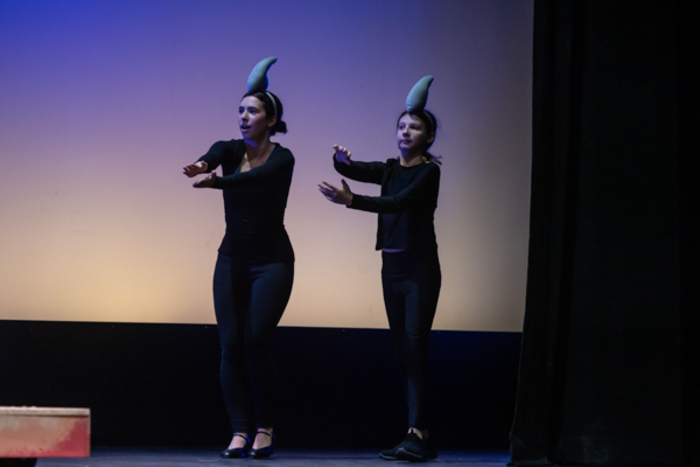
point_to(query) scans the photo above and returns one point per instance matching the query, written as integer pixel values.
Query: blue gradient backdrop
(102, 102)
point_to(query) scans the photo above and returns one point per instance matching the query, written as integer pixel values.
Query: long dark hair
(431, 125)
(266, 98)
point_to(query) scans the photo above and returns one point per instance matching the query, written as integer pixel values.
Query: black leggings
(411, 283)
(249, 301)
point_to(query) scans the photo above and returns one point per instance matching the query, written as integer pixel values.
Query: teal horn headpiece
(418, 97)
(257, 80)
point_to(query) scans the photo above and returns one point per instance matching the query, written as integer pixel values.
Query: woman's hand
(206, 182)
(340, 196)
(195, 169)
(342, 154)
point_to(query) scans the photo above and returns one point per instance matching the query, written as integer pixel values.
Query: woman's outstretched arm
(279, 164)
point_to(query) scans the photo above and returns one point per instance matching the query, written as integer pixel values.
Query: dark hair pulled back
(265, 98)
(431, 125)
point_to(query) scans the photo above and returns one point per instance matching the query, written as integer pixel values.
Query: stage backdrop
(102, 103)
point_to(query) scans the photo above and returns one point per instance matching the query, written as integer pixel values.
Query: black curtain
(610, 362)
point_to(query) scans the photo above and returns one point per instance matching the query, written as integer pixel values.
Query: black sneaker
(390, 454)
(413, 449)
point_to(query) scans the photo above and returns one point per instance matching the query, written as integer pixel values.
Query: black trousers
(411, 282)
(249, 300)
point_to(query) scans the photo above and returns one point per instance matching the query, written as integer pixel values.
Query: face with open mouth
(252, 120)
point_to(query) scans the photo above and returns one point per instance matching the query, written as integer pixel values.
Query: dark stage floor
(103, 457)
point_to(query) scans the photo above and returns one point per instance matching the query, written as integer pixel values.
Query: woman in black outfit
(406, 235)
(255, 266)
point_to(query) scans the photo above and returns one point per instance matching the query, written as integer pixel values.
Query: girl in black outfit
(255, 267)
(411, 270)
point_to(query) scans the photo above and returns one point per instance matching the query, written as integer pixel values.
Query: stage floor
(106, 457)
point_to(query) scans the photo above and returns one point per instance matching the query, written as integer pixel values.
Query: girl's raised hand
(342, 154)
(336, 195)
(195, 169)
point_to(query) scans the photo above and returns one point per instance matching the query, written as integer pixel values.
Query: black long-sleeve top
(254, 202)
(406, 205)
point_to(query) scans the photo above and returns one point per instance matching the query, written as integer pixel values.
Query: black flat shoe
(265, 452)
(237, 453)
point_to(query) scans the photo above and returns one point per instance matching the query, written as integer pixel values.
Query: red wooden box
(44, 432)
